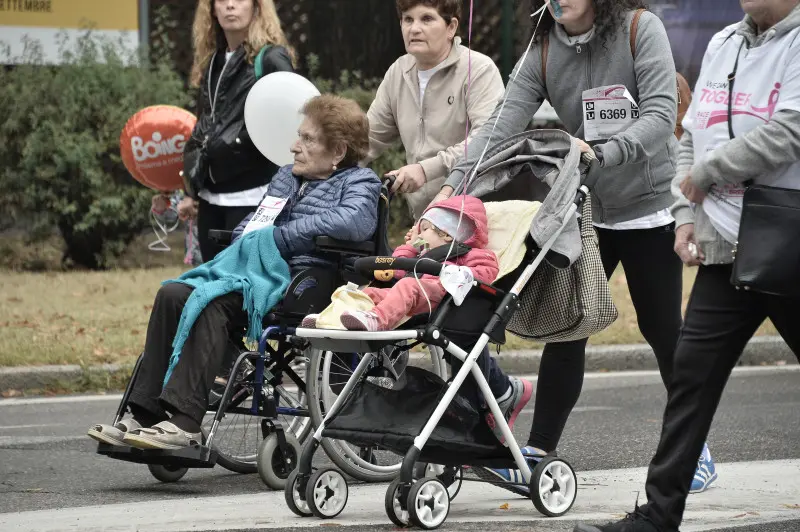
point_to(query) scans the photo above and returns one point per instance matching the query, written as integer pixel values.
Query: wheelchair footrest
(195, 456)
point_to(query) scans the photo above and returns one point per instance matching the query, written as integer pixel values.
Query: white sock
(506, 395)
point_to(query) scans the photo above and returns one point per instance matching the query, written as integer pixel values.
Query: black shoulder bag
(767, 252)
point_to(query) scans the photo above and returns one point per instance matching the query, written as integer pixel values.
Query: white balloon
(272, 113)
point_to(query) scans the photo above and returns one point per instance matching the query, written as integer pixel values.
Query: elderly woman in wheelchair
(324, 193)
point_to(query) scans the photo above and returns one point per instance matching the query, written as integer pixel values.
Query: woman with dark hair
(617, 96)
(429, 97)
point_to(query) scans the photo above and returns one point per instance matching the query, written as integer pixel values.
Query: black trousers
(187, 390)
(719, 322)
(211, 216)
(654, 274)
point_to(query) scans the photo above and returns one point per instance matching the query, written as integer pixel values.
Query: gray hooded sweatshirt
(638, 164)
(761, 150)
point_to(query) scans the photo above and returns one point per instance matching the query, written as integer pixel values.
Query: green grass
(90, 318)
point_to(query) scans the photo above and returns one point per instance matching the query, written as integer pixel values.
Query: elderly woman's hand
(409, 178)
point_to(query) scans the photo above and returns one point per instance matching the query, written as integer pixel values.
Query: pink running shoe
(521, 393)
(360, 321)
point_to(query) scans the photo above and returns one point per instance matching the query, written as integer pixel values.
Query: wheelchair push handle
(367, 265)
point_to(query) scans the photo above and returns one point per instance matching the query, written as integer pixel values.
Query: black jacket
(234, 163)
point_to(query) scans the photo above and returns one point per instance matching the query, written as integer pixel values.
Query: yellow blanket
(509, 223)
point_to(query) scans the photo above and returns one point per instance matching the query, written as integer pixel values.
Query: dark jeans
(654, 274)
(187, 390)
(718, 324)
(211, 216)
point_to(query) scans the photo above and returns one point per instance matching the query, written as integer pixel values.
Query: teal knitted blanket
(253, 266)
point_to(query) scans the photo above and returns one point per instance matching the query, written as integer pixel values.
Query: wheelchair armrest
(332, 245)
(220, 236)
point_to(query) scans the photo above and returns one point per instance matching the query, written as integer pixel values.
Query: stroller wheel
(452, 477)
(392, 504)
(326, 493)
(553, 487)
(167, 473)
(291, 493)
(275, 464)
(428, 503)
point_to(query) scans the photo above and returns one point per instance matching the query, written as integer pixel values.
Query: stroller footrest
(195, 456)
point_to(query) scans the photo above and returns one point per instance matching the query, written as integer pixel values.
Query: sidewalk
(761, 351)
(747, 493)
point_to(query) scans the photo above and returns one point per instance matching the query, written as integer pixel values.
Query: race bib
(266, 214)
(607, 111)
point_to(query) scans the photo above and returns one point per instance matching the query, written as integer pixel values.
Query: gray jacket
(639, 163)
(762, 149)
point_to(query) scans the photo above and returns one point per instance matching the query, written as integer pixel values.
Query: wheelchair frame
(270, 364)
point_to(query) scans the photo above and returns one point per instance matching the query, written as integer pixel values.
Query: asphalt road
(46, 462)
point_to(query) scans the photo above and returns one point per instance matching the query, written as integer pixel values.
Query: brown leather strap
(545, 48)
(634, 29)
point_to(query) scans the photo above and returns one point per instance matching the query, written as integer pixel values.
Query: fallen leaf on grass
(14, 300)
(504, 506)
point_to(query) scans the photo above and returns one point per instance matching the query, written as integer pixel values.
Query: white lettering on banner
(266, 214)
(156, 147)
(607, 111)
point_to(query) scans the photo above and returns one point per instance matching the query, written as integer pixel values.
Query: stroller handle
(367, 265)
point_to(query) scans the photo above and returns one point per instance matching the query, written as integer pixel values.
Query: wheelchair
(257, 420)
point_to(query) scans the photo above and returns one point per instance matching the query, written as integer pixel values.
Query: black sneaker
(633, 522)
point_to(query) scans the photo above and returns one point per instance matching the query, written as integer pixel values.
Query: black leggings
(210, 216)
(654, 274)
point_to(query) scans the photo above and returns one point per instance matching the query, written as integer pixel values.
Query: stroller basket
(392, 418)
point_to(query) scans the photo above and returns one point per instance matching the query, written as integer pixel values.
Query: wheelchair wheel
(553, 486)
(167, 473)
(327, 374)
(275, 466)
(239, 434)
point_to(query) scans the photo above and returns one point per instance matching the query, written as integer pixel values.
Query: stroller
(421, 415)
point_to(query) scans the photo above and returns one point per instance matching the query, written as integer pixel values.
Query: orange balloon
(152, 144)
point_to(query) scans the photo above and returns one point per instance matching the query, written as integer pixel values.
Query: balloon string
(161, 231)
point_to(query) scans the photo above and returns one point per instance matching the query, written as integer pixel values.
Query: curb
(760, 351)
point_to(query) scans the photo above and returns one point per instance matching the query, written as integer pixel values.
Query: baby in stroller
(455, 229)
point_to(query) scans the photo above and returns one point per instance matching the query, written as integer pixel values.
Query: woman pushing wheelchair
(324, 193)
